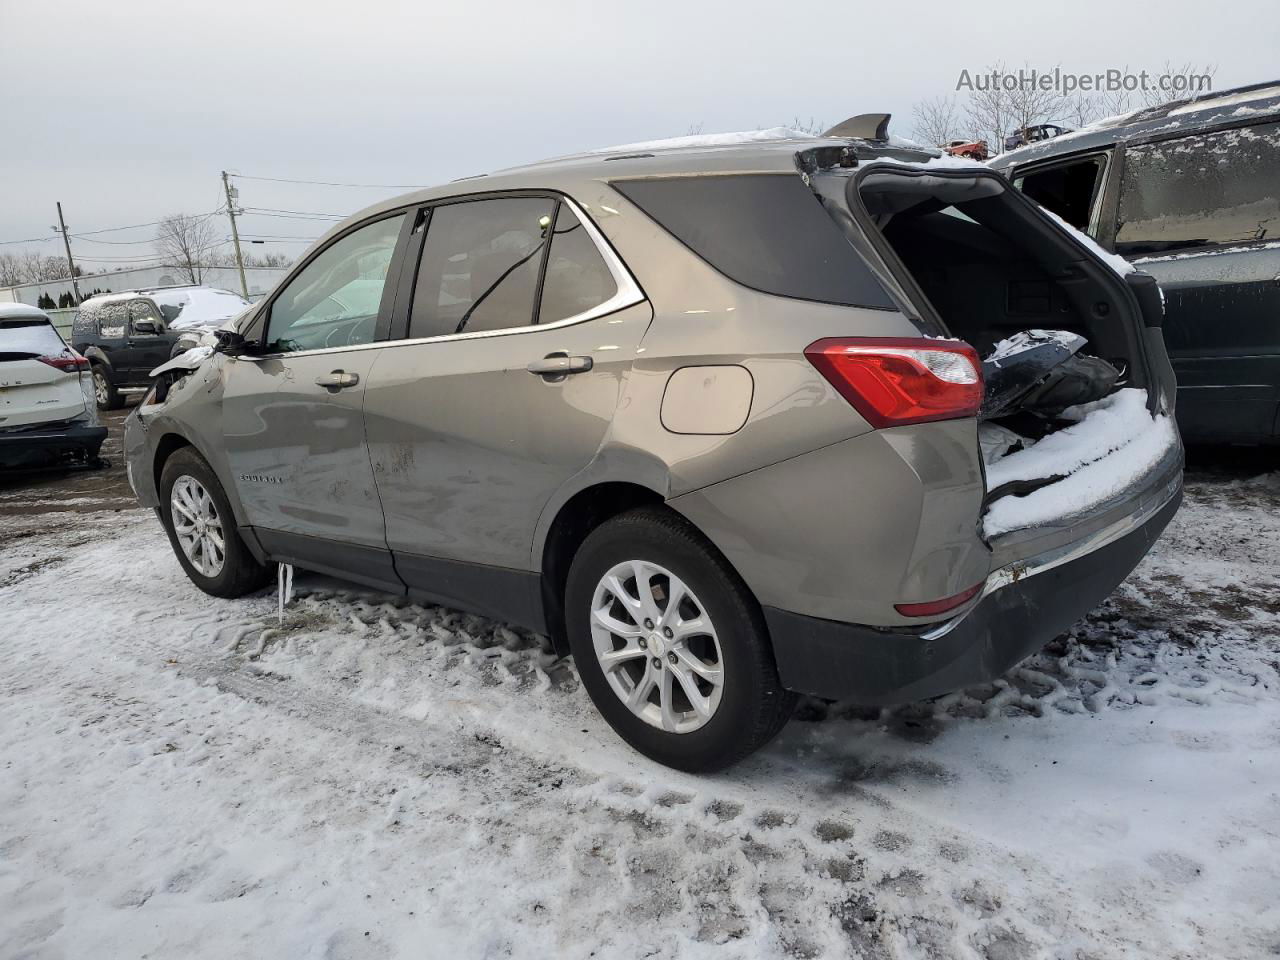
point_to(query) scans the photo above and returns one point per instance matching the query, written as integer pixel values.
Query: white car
(47, 412)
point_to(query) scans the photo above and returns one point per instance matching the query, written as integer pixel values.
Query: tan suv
(713, 418)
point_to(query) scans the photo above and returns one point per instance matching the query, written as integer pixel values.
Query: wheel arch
(169, 444)
(96, 356)
(573, 522)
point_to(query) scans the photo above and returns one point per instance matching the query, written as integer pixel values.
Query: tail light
(893, 381)
(69, 362)
(935, 607)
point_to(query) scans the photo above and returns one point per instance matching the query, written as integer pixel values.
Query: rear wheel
(203, 531)
(104, 391)
(670, 644)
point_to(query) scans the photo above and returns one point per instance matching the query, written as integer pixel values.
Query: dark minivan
(1189, 192)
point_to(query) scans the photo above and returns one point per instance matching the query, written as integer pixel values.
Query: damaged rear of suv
(727, 421)
(1046, 487)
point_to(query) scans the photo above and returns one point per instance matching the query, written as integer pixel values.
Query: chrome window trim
(627, 294)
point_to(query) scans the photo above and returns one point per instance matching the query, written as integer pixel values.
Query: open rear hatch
(1076, 418)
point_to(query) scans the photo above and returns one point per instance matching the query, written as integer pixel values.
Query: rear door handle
(559, 365)
(337, 380)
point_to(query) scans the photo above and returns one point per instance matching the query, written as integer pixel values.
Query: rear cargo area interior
(1060, 337)
(990, 275)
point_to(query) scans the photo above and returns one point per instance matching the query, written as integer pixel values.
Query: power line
(330, 183)
(133, 226)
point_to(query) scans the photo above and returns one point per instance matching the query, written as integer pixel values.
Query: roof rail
(1163, 109)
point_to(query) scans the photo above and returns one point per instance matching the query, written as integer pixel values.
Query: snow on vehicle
(125, 335)
(711, 415)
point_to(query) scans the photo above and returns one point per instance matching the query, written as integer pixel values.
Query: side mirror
(233, 344)
(146, 326)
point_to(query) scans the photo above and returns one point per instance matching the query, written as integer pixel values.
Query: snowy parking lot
(187, 777)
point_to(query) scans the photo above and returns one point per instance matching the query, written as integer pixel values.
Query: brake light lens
(935, 607)
(893, 381)
(69, 362)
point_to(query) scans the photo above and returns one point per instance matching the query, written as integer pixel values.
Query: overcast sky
(127, 111)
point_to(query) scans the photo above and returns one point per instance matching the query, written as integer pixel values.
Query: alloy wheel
(657, 646)
(198, 526)
(99, 387)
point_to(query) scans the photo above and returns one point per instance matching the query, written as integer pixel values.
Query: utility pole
(232, 193)
(71, 264)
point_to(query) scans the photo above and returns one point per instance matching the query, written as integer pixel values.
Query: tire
(238, 573)
(104, 391)
(750, 706)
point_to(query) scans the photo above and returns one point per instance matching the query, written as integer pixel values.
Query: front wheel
(104, 391)
(671, 645)
(203, 531)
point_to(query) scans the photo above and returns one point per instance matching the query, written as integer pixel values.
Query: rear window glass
(765, 231)
(30, 336)
(1210, 188)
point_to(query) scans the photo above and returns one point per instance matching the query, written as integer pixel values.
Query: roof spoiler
(865, 126)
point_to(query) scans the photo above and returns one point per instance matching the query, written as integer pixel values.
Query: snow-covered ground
(182, 777)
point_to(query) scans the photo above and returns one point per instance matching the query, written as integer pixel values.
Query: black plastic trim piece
(499, 592)
(370, 566)
(874, 666)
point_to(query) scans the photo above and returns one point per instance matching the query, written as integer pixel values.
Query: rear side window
(111, 320)
(480, 265)
(1205, 189)
(765, 231)
(1070, 190)
(577, 278)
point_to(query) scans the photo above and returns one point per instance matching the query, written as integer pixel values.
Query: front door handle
(559, 365)
(337, 380)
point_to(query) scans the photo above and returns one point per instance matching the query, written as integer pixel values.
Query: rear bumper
(1025, 606)
(40, 447)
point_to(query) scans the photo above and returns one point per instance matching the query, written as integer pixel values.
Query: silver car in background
(48, 417)
(715, 418)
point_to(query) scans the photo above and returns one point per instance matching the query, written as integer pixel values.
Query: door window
(480, 266)
(1200, 190)
(111, 321)
(142, 310)
(1071, 190)
(334, 300)
(577, 277)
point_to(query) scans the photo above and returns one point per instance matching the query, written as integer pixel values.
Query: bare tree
(186, 243)
(936, 121)
(1030, 104)
(1154, 96)
(31, 266)
(990, 111)
(11, 272)
(811, 126)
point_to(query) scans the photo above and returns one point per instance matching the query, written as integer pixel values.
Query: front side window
(1201, 190)
(334, 300)
(141, 310)
(1070, 190)
(577, 277)
(480, 266)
